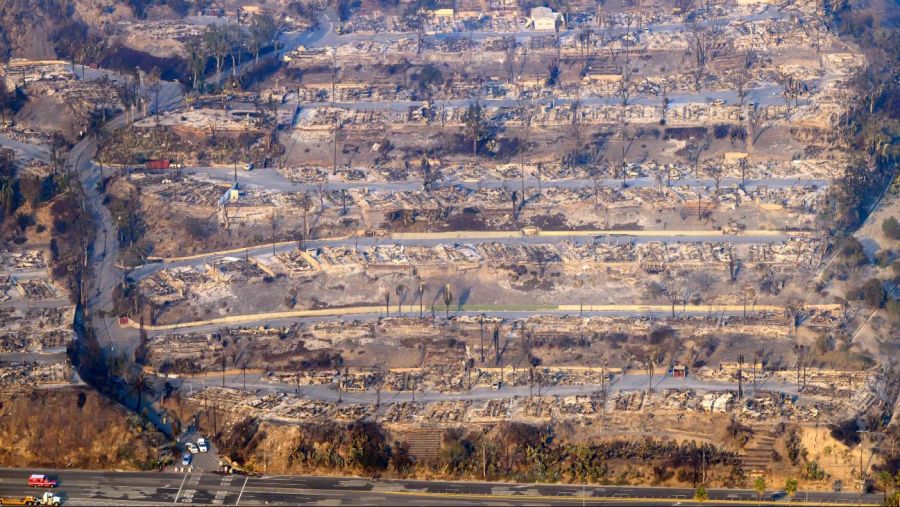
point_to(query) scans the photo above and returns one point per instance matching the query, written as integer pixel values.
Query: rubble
(23, 261)
(287, 407)
(15, 376)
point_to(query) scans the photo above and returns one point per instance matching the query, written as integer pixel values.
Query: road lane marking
(179, 488)
(188, 496)
(242, 491)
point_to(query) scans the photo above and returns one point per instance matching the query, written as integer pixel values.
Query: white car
(191, 448)
(202, 445)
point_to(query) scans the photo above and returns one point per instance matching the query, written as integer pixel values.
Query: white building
(543, 18)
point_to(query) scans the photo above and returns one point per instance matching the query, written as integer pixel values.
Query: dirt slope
(71, 427)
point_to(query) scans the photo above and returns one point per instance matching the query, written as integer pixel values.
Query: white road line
(179, 488)
(242, 491)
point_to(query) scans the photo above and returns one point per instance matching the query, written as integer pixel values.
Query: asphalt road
(154, 488)
(25, 150)
(104, 256)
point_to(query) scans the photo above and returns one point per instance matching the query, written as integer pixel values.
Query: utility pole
(334, 146)
(483, 460)
(862, 475)
(703, 479)
(273, 231)
(339, 385)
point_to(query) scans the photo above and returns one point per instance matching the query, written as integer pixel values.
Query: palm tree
(140, 385)
(760, 487)
(224, 359)
(651, 360)
(421, 290)
(448, 298)
(533, 363)
(401, 292)
(496, 344)
(790, 487)
(7, 196)
(481, 332)
(758, 356)
(197, 61)
(154, 86)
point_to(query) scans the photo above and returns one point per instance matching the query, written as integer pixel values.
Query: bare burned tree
(703, 42)
(512, 64)
(474, 124)
(650, 359)
(553, 71)
(687, 287)
(378, 378)
(306, 206)
(586, 45)
(734, 264)
(716, 172)
(664, 104)
(706, 282)
(575, 129)
(667, 288)
(741, 77)
(527, 113)
(791, 88)
(747, 297)
(694, 150)
(627, 136)
(625, 87)
(801, 352)
(597, 176)
(610, 41)
(756, 125)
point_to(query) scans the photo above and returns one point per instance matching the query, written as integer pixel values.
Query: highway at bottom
(83, 487)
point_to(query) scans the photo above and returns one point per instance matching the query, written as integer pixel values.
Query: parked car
(191, 448)
(202, 445)
(186, 459)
